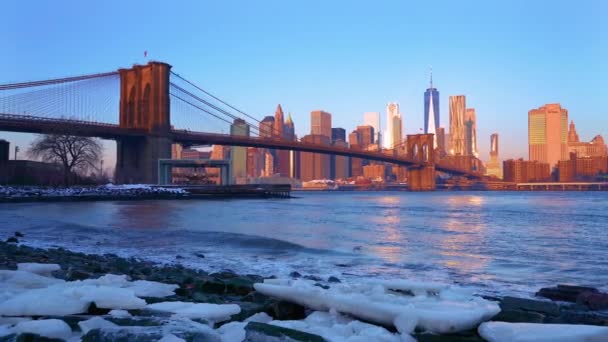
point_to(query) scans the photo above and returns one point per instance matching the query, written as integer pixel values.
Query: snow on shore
(534, 332)
(435, 308)
(104, 190)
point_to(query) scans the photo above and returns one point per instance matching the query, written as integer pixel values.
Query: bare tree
(74, 154)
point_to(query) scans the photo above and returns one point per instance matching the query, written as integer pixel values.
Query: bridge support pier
(137, 159)
(421, 178)
(420, 147)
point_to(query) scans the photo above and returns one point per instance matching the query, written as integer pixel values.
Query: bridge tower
(420, 148)
(144, 106)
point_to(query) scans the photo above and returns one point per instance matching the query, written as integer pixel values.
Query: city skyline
(510, 73)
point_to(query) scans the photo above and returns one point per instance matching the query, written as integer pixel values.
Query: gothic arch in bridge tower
(144, 107)
(131, 108)
(420, 149)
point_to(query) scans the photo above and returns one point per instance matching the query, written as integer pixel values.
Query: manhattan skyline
(507, 61)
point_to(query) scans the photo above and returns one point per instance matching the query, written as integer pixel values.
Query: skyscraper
(266, 127)
(493, 167)
(470, 122)
(392, 110)
(280, 157)
(290, 131)
(431, 111)
(320, 123)
(457, 127)
(397, 129)
(441, 148)
(315, 165)
(338, 134)
(238, 158)
(373, 119)
(548, 134)
(278, 122)
(366, 135)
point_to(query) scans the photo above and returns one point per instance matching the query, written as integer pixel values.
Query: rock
(285, 311)
(137, 321)
(77, 275)
(200, 255)
(94, 310)
(225, 274)
(256, 297)
(179, 257)
(594, 300)
(19, 234)
(513, 303)
(207, 298)
(261, 332)
(565, 293)
(333, 279)
(28, 338)
(313, 277)
(519, 316)
(123, 335)
(212, 285)
(12, 239)
(577, 317)
(239, 285)
(325, 287)
(464, 337)
(146, 334)
(295, 274)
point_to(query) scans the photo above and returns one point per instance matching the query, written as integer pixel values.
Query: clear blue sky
(346, 57)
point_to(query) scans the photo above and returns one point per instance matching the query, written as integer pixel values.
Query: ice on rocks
(120, 313)
(260, 317)
(36, 268)
(51, 328)
(335, 327)
(416, 287)
(375, 303)
(141, 288)
(212, 312)
(95, 323)
(232, 332)
(528, 332)
(110, 297)
(52, 301)
(171, 338)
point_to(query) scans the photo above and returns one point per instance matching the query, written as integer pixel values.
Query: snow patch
(120, 313)
(51, 328)
(529, 332)
(212, 312)
(444, 312)
(36, 268)
(95, 323)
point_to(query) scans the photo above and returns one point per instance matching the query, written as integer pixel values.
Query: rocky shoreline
(227, 287)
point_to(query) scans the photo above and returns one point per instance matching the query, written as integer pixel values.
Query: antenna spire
(431, 67)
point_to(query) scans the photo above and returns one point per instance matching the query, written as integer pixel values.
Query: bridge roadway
(41, 125)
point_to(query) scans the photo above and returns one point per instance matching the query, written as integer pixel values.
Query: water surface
(498, 242)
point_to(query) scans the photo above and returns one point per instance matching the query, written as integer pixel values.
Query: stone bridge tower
(144, 106)
(420, 148)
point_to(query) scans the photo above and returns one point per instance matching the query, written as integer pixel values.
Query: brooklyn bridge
(147, 108)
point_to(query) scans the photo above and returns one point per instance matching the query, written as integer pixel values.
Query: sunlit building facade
(457, 126)
(548, 134)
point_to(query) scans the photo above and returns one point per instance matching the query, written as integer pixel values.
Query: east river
(496, 242)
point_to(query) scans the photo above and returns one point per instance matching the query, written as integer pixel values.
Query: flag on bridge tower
(145, 53)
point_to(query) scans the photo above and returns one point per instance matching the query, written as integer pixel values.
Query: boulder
(285, 311)
(261, 332)
(565, 293)
(514, 303)
(519, 316)
(593, 300)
